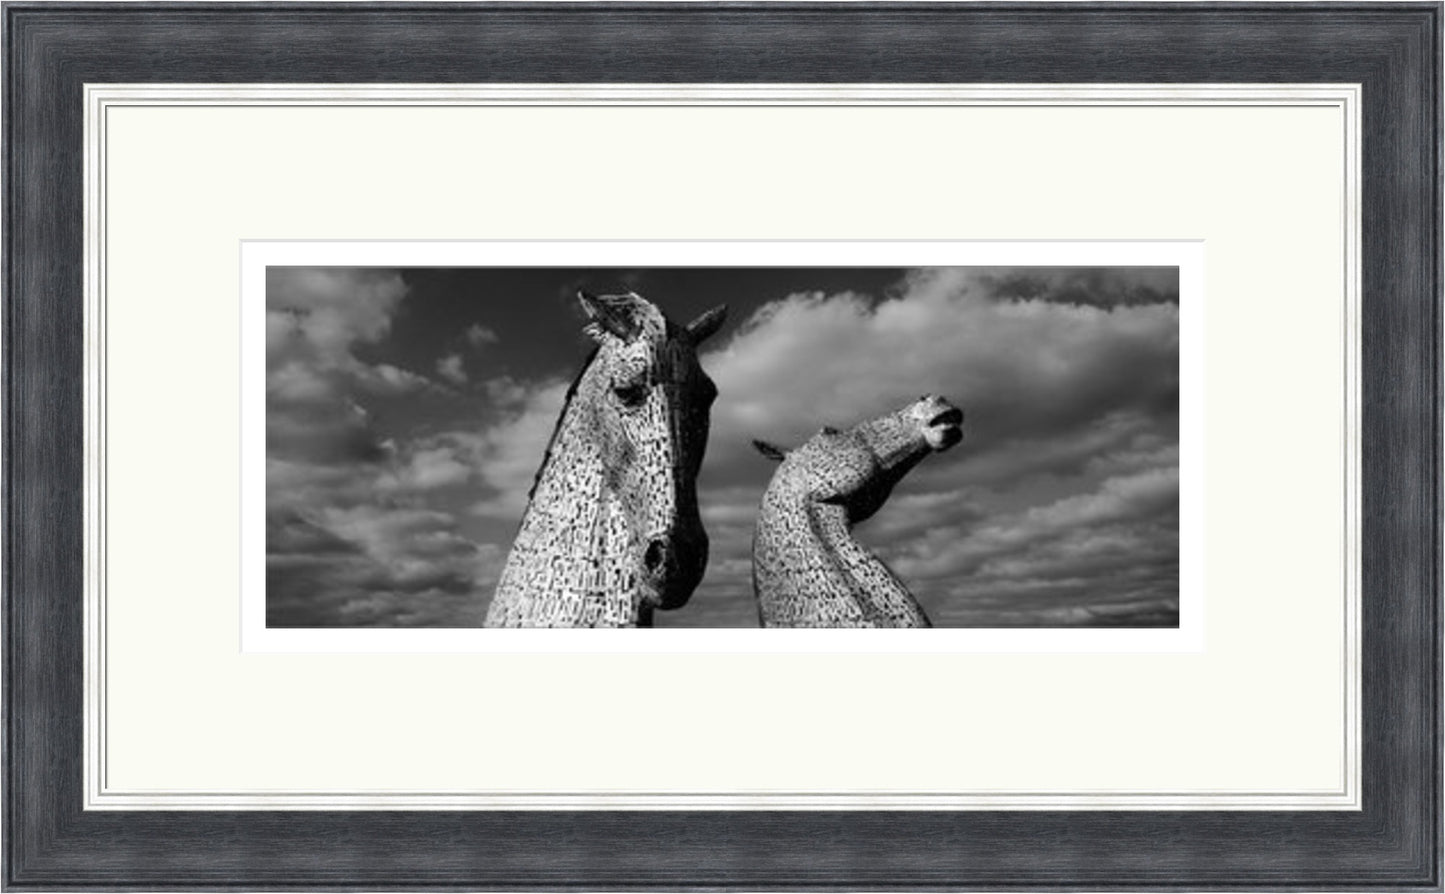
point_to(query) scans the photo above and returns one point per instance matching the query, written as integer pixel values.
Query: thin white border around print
(1189, 636)
(256, 256)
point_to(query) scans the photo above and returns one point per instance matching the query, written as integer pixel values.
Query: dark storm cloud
(363, 549)
(391, 568)
(1068, 535)
(315, 318)
(350, 540)
(332, 561)
(1026, 372)
(1094, 286)
(303, 591)
(322, 431)
(288, 533)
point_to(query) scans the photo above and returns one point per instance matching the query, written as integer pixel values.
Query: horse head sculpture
(612, 530)
(807, 569)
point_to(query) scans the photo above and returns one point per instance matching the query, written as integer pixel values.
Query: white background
(1260, 710)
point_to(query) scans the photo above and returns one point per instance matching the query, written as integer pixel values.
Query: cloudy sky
(407, 412)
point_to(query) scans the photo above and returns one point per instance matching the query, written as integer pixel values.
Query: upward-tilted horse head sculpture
(612, 531)
(807, 569)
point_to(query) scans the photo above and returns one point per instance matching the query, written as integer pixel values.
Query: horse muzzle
(672, 567)
(944, 427)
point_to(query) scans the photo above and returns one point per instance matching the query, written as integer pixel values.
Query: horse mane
(557, 427)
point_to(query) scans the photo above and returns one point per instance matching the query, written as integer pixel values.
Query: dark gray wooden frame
(1393, 49)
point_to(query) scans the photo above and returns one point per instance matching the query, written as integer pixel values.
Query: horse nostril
(652, 559)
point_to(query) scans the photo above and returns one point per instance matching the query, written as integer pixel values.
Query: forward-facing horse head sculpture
(808, 571)
(612, 530)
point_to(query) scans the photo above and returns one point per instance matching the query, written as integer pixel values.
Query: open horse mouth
(945, 429)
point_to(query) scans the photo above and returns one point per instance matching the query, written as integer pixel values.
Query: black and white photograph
(725, 447)
(740, 447)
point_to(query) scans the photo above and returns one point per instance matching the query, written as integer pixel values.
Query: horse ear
(608, 316)
(707, 324)
(773, 453)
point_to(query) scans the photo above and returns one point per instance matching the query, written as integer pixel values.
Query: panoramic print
(722, 447)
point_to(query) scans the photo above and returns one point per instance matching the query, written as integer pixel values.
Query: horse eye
(631, 395)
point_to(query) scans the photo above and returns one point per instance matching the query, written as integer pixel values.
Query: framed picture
(329, 327)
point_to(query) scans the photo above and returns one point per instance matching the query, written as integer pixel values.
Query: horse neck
(879, 592)
(851, 573)
(570, 563)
